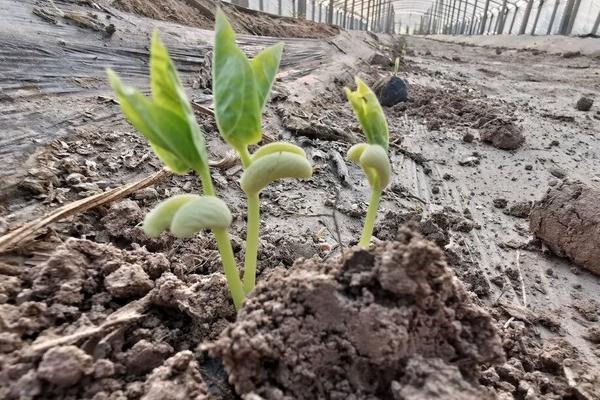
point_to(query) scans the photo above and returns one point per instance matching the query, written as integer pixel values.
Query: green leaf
(202, 212)
(167, 90)
(159, 219)
(167, 120)
(265, 66)
(166, 130)
(369, 113)
(175, 164)
(237, 108)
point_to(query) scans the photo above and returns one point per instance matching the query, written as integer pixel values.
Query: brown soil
(200, 13)
(93, 321)
(567, 219)
(443, 108)
(364, 327)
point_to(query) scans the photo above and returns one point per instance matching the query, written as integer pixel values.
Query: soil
(366, 326)
(201, 13)
(566, 219)
(130, 316)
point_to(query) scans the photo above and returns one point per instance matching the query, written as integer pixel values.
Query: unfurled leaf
(167, 90)
(274, 166)
(265, 66)
(166, 120)
(237, 107)
(369, 113)
(201, 212)
(167, 131)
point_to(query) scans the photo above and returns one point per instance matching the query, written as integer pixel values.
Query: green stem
(231, 272)
(252, 235)
(367, 232)
(206, 179)
(245, 157)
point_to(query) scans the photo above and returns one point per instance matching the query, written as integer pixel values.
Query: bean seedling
(371, 156)
(241, 89)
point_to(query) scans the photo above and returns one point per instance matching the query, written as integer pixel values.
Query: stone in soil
(584, 104)
(361, 327)
(380, 59)
(502, 134)
(468, 137)
(520, 209)
(567, 219)
(391, 91)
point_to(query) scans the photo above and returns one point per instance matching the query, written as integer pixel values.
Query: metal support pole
(512, 23)
(343, 24)
(367, 20)
(431, 13)
(497, 26)
(573, 16)
(455, 30)
(549, 31)
(502, 17)
(312, 10)
(596, 25)
(473, 18)
(464, 19)
(390, 18)
(330, 13)
(537, 17)
(261, 5)
(362, 14)
(352, 15)
(484, 17)
(491, 24)
(301, 9)
(452, 17)
(377, 19)
(564, 23)
(279, 10)
(526, 17)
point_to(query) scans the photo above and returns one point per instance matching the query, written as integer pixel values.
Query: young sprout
(241, 89)
(167, 121)
(396, 66)
(371, 156)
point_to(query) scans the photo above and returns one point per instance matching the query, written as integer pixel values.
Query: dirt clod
(571, 207)
(502, 134)
(128, 281)
(178, 378)
(520, 209)
(357, 326)
(584, 104)
(64, 366)
(380, 59)
(468, 137)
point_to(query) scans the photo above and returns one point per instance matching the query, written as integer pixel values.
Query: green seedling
(372, 156)
(241, 89)
(167, 121)
(396, 66)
